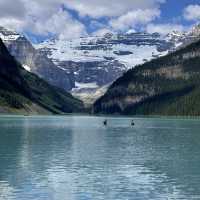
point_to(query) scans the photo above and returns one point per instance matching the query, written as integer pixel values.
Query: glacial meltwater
(79, 158)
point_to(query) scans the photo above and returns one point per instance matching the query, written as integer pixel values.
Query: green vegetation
(21, 91)
(169, 85)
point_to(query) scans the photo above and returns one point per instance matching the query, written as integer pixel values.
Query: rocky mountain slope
(35, 61)
(97, 61)
(169, 85)
(24, 92)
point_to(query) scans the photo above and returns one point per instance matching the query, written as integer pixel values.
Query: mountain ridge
(34, 61)
(24, 92)
(168, 85)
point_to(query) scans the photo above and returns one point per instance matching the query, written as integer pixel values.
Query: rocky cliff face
(24, 92)
(35, 61)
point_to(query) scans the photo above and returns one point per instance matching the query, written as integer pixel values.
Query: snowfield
(62, 50)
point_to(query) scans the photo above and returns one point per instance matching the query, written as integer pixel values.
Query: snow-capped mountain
(34, 60)
(181, 39)
(86, 66)
(128, 49)
(195, 32)
(97, 61)
(7, 35)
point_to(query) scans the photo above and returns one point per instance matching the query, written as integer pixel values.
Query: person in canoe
(105, 122)
(132, 123)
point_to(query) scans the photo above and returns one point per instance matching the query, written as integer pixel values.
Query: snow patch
(79, 85)
(62, 68)
(27, 68)
(74, 51)
(9, 37)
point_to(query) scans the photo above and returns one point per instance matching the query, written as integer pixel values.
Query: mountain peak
(196, 30)
(130, 31)
(24, 92)
(108, 35)
(8, 35)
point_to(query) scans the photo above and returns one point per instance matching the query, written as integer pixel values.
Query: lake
(77, 158)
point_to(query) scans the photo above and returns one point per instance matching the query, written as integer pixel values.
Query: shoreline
(163, 117)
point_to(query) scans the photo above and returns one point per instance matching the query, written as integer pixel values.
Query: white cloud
(40, 17)
(60, 23)
(192, 12)
(110, 8)
(133, 18)
(10, 9)
(11, 15)
(12, 23)
(164, 28)
(130, 31)
(102, 32)
(47, 16)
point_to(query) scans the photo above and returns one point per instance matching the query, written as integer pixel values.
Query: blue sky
(67, 19)
(173, 9)
(171, 12)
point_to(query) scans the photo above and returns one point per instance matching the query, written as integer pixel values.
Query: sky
(67, 19)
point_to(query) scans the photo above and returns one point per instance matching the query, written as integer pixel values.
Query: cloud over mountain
(133, 18)
(163, 28)
(192, 12)
(74, 18)
(111, 8)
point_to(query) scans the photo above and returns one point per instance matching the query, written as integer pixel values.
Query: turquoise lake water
(77, 158)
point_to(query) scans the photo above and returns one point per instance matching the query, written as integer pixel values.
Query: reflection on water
(77, 158)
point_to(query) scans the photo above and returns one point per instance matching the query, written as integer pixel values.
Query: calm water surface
(77, 158)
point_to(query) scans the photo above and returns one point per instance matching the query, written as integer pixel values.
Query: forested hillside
(169, 85)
